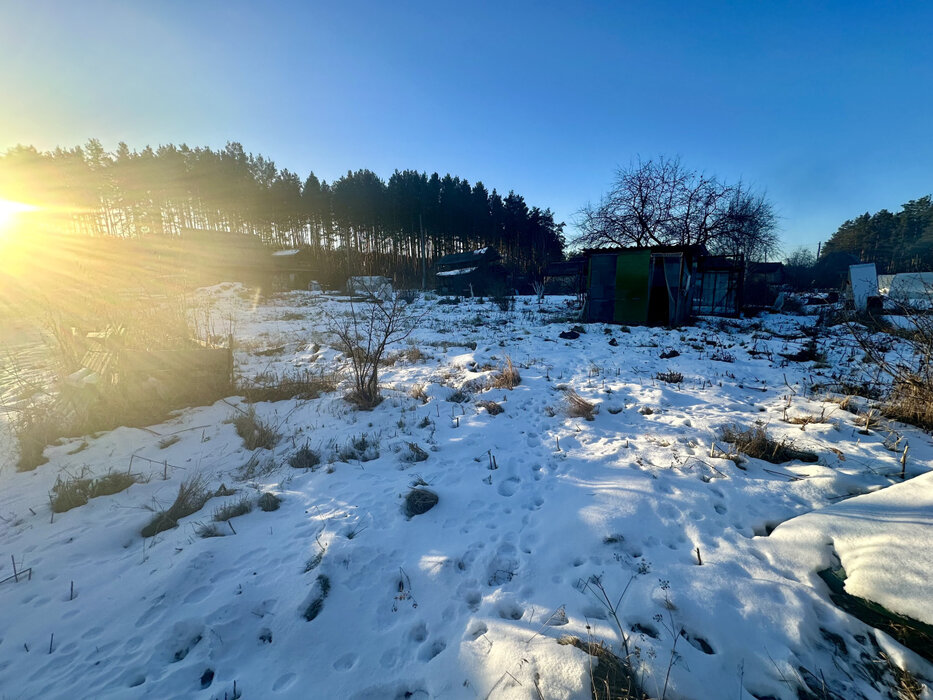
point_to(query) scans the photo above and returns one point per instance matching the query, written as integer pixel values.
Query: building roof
(473, 257)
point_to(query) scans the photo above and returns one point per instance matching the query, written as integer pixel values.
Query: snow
(469, 599)
(451, 273)
(286, 252)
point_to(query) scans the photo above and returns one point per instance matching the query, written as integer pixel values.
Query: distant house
(664, 285)
(293, 268)
(476, 272)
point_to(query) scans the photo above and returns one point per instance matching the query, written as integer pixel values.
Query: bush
(192, 495)
(255, 432)
(233, 510)
(755, 442)
(304, 458)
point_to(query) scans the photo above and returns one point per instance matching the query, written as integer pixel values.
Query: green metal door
(633, 268)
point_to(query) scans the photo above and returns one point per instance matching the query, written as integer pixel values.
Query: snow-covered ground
(538, 513)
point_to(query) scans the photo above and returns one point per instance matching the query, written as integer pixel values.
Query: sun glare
(10, 210)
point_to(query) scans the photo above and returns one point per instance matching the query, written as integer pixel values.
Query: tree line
(660, 202)
(898, 242)
(358, 222)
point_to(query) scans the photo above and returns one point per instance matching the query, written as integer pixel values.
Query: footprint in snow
(509, 486)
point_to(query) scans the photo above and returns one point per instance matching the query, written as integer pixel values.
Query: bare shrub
(668, 353)
(304, 458)
(492, 408)
(255, 432)
(233, 510)
(192, 495)
(578, 407)
(363, 335)
(458, 396)
(755, 442)
(506, 378)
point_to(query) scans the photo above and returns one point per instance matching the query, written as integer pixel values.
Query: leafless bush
(755, 442)
(670, 377)
(908, 365)
(363, 335)
(578, 407)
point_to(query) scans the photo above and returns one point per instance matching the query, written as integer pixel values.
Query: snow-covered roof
(451, 273)
(286, 252)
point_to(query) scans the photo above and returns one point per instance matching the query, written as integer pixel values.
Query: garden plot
(643, 529)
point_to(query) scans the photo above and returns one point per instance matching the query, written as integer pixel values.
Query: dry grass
(192, 495)
(506, 378)
(911, 402)
(304, 458)
(578, 407)
(255, 432)
(233, 510)
(74, 492)
(756, 443)
(417, 391)
(303, 385)
(670, 377)
(492, 408)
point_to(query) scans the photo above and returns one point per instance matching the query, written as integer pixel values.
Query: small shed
(566, 277)
(663, 285)
(294, 268)
(475, 271)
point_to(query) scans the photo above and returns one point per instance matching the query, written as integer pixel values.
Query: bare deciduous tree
(660, 202)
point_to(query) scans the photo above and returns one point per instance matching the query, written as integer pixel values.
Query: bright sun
(9, 211)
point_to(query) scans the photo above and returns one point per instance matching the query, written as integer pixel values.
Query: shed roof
(472, 257)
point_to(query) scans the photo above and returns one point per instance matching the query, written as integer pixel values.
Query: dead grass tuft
(255, 432)
(304, 458)
(232, 510)
(492, 408)
(755, 442)
(578, 407)
(670, 377)
(506, 378)
(192, 495)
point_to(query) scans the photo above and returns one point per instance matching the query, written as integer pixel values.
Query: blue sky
(826, 106)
